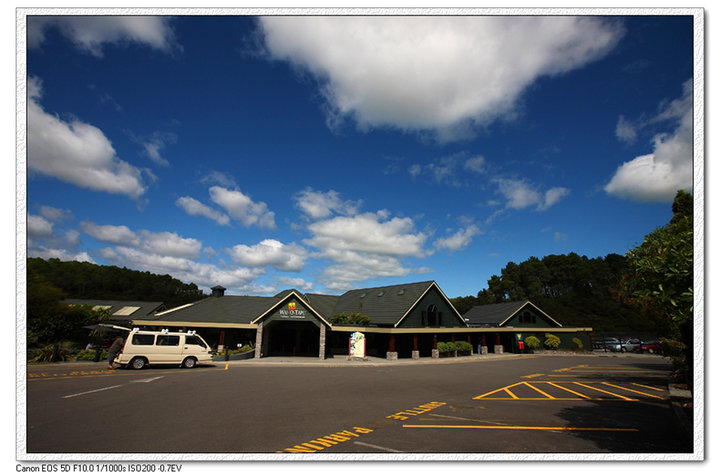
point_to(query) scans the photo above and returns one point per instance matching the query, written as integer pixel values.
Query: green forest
(574, 290)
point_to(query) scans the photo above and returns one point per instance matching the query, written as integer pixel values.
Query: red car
(651, 347)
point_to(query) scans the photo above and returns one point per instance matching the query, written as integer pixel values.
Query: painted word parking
(328, 441)
(331, 440)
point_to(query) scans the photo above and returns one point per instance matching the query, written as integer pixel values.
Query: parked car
(144, 348)
(651, 347)
(630, 345)
(608, 343)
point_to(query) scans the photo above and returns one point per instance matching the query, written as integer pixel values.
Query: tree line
(83, 280)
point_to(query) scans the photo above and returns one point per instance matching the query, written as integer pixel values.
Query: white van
(144, 348)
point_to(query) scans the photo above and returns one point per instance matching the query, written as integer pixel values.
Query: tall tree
(660, 274)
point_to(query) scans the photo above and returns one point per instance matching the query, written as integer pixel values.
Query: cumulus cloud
(290, 257)
(318, 205)
(91, 33)
(365, 246)
(55, 214)
(203, 274)
(519, 194)
(445, 75)
(657, 176)
(241, 207)
(161, 243)
(113, 234)
(38, 226)
(458, 240)
(197, 208)
(76, 152)
(369, 233)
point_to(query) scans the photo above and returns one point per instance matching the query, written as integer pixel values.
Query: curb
(678, 397)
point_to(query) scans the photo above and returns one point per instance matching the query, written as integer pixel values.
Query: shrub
(90, 355)
(552, 342)
(53, 353)
(442, 347)
(532, 342)
(452, 347)
(464, 347)
(578, 343)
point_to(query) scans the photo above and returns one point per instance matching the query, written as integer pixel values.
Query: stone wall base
(498, 349)
(392, 355)
(483, 350)
(435, 354)
(415, 354)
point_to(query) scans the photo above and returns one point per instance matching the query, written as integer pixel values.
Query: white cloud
(449, 170)
(476, 164)
(364, 246)
(161, 243)
(625, 130)
(290, 257)
(368, 233)
(203, 274)
(91, 33)
(659, 175)
(297, 283)
(38, 226)
(553, 196)
(154, 146)
(76, 152)
(241, 207)
(318, 205)
(431, 73)
(61, 254)
(170, 244)
(55, 214)
(196, 208)
(520, 195)
(458, 240)
(113, 234)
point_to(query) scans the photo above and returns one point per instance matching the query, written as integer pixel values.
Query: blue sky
(328, 153)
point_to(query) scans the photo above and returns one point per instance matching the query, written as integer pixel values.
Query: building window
(432, 317)
(527, 318)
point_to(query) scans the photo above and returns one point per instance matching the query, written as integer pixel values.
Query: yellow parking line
(634, 391)
(647, 386)
(605, 391)
(539, 391)
(492, 427)
(571, 391)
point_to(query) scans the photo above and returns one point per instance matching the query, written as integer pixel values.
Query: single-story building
(524, 319)
(404, 321)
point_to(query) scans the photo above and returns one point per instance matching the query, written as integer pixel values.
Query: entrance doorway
(300, 339)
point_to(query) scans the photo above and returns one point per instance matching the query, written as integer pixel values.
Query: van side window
(193, 340)
(168, 340)
(143, 339)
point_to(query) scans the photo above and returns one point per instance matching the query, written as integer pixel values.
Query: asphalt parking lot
(305, 408)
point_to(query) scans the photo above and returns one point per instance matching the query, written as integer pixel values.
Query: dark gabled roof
(225, 309)
(385, 305)
(494, 315)
(322, 303)
(120, 310)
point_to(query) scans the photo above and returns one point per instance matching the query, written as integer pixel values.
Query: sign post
(357, 346)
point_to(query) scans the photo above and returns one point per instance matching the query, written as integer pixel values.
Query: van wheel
(189, 363)
(138, 363)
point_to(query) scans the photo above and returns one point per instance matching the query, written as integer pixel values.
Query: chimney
(218, 291)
